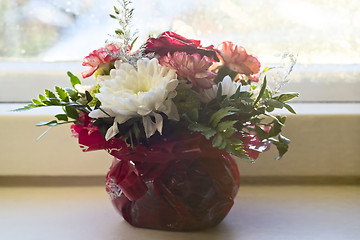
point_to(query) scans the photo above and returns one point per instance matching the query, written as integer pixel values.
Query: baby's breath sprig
(125, 37)
(124, 16)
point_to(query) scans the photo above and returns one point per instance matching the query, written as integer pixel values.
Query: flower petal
(158, 122)
(149, 126)
(112, 131)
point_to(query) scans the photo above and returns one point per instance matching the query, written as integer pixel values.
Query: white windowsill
(259, 213)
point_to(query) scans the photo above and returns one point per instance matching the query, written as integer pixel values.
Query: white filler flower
(228, 89)
(143, 92)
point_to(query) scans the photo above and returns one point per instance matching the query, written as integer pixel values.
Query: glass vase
(180, 183)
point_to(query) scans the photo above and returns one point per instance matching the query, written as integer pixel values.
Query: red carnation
(170, 42)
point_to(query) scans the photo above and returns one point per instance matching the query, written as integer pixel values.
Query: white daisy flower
(143, 92)
(228, 89)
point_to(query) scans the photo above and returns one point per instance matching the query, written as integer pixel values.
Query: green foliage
(73, 79)
(262, 90)
(221, 114)
(286, 97)
(222, 118)
(94, 100)
(208, 132)
(63, 95)
(187, 104)
(223, 72)
(282, 145)
(69, 99)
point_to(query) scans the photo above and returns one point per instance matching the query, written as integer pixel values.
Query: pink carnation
(193, 67)
(236, 59)
(99, 58)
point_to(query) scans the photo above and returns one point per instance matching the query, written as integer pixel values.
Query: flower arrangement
(172, 95)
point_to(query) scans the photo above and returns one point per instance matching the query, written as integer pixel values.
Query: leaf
(116, 10)
(286, 96)
(208, 132)
(27, 107)
(262, 90)
(52, 99)
(50, 123)
(261, 133)
(62, 117)
(284, 139)
(223, 126)
(37, 102)
(220, 114)
(237, 93)
(277, 118)
(112, 16)
(192, 115)
(62, 94)
(73, 79)
(219, 92)
(281, 145)
(89, 98)
(72, 112)
(223, 72)
(289, 108)
(229, 132)
(282, 119)
(270, 109)
(234, 147)
(50, 95)
(43, 134)
(133, 42)
(274, 103)
(98, 104)
(223, 145)
(136, 131)
(42, 98)
(218, 140)
(119, 32)
(74, 95)
(267, 94)
(224, 103)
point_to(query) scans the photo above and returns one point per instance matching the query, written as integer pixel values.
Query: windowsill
(259, 213)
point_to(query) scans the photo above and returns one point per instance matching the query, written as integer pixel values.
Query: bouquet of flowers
(172, 113)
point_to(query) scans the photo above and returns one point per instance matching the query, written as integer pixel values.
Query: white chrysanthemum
(228, 89)
(83, 88)
(129, 92)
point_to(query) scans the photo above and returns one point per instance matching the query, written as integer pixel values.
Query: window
(40, 40)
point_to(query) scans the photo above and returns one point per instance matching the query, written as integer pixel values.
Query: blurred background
(321, 31)
(46, 36)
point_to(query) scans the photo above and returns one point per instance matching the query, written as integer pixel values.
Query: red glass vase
(180, 183)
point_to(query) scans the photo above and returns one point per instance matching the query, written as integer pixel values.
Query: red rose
(170, 42)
